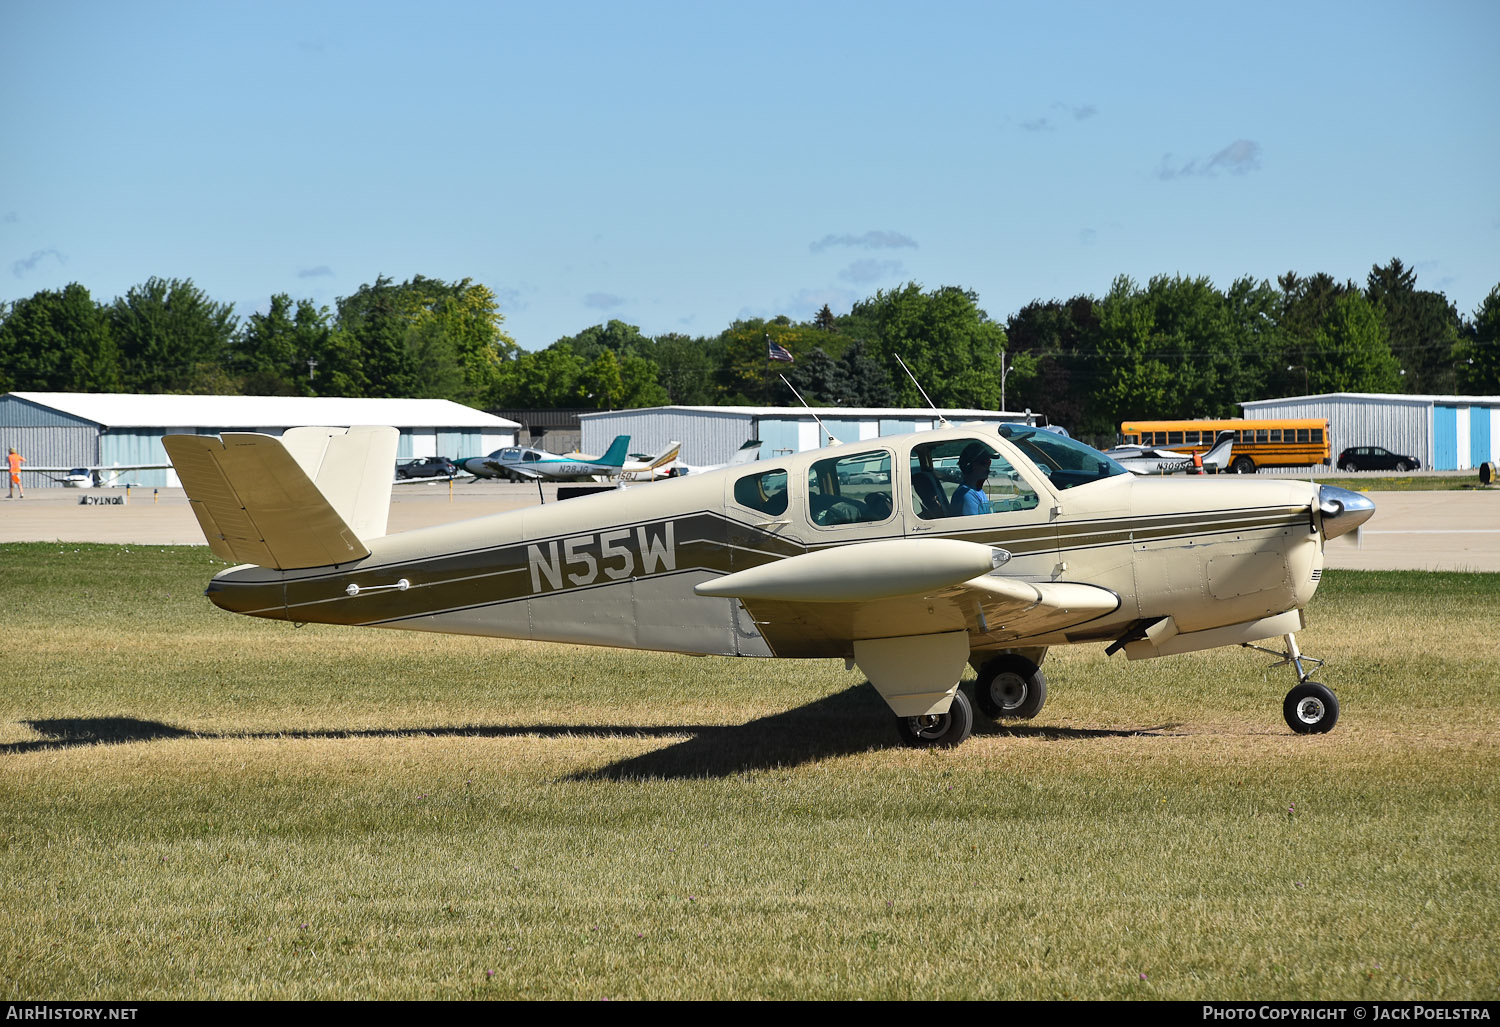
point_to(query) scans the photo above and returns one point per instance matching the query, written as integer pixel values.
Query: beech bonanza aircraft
(524, 463)
(1145, 460)
(856, 551)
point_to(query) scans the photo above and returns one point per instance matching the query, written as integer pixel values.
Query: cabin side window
(765, 492)
(854, 489)
(937, 481)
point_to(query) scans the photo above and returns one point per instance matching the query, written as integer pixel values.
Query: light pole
(1004, 373)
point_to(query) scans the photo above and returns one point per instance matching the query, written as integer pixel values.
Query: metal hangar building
(711, 435)
(1446, 433)
(78, 429)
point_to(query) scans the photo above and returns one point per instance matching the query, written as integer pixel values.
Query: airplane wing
(101, 473)
(99, 467)
(894, 588)
(516, 469)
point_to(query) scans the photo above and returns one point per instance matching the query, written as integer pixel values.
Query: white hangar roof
(123, 410)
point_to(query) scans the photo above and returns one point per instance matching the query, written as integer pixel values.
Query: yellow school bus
(1279, 442)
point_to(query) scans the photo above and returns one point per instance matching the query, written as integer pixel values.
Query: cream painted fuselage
(1143, 562)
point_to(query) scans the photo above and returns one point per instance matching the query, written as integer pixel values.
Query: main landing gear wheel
(1311, 709)
(1011, 687)
(939, 730)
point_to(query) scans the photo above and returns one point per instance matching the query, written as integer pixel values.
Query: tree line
(1174, 347)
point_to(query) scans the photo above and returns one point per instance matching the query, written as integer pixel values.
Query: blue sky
(680, 165)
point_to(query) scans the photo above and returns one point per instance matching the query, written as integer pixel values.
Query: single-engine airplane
(643, 466)
(93, 475)
(1145, 460)
(525, 463)
(748, 452)
(857, 550)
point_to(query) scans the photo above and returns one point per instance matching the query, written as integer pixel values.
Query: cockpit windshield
(1066, 462)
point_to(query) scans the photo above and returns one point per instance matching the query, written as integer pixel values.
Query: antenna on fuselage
(941, 419)
(831, 440)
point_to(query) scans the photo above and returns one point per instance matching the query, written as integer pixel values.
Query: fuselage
(619, 569)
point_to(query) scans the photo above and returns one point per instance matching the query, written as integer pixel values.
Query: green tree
(1062, 338)
(547, 378)
(58, 341)
(272, 353)
(424, 337)
(172, 337)
(1478, 351)
(747, 373)
(1423, 327)
(639, 383)
(1350, 352)
(949, 343)
(685, 370)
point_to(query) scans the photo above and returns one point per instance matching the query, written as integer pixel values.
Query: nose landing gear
(1309, 708)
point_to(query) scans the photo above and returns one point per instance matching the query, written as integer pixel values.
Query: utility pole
(1004, 373)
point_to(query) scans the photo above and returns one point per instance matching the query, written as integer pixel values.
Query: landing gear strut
(1309, 708)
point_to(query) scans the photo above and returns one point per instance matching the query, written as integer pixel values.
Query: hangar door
(1479, 436)
(1444, 438)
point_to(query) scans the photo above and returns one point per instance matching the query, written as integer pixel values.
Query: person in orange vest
(16, 460)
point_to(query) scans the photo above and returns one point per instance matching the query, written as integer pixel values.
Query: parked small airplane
(859, 550)
(1145, 460)
(749, 452)
(641, 466)
(526, 463)
(92, 476)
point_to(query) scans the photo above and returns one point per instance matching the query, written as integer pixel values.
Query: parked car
(1375, 458)
(427, 467)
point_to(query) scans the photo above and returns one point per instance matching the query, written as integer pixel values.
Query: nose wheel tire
(939, 730)
(1011, 687)
(1311, 709)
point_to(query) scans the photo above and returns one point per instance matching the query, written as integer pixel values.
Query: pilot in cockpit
(974, 467)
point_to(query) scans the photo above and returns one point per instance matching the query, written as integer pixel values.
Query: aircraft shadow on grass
(848, 722)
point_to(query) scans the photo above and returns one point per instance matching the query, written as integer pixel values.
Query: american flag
(776, 351)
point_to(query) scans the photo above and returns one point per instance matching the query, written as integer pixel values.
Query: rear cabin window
(854, 489)
(765, 492)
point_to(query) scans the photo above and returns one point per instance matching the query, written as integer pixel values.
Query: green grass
(194, 805)
(1466, 481)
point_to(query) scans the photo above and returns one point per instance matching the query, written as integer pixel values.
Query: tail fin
(746, 454)
(666, 456)
(615, 456)
(256, 499)
(1218, 457)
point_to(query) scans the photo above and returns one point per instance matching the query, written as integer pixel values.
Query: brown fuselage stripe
(702, 541)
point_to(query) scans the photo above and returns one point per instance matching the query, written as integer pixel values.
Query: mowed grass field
(197, 805)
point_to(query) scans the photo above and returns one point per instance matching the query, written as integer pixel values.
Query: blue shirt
(966, 502)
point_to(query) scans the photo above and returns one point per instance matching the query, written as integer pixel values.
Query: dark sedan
(1375, 458)
(427, 467)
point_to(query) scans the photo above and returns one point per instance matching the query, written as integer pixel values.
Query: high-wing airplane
(92, 476)
(1145, 460)
(858, 550)
(525, 463)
